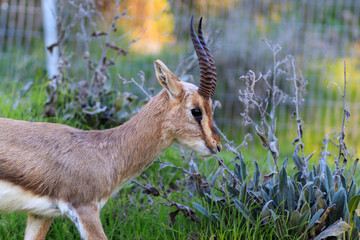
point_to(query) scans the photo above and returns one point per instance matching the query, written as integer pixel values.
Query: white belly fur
(15, 199)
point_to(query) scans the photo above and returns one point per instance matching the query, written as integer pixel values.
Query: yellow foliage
(151, 23)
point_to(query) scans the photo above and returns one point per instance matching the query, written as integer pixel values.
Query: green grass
(122, 220)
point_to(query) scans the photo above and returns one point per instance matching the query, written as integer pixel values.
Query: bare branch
(342, 146)
(305, 170)
(140, 86)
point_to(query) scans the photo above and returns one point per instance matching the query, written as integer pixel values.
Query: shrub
(81, 94)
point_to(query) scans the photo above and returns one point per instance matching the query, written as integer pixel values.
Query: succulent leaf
(305, 208)
(244, 193)
(343, 181)
(315, 218)
(328, 180)
(283, 184)
(285, 163)
(334, 230)
(353, 205)
(256, 176)
(201, 209)
(340, 203)
(352, 189)
(243, 169)
(303, 220)
(243, 210)
(298, 161)
(291, 201)
(265, 212)
(294, 219)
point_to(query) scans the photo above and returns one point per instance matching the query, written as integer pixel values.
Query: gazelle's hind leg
(87, 220)
(36, 227)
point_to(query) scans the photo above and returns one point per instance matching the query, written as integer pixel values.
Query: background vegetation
(98, 46)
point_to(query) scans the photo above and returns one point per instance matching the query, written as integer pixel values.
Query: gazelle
(49, 170)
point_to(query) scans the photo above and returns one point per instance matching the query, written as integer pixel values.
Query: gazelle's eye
(196, 112)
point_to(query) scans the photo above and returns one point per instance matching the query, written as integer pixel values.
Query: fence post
(50, 36)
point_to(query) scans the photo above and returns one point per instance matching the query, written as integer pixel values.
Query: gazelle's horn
(206, 62)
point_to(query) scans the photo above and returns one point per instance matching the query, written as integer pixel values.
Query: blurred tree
(153, 24)
(150, 23)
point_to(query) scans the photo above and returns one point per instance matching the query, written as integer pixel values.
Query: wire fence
(320, 34)
(20, 32)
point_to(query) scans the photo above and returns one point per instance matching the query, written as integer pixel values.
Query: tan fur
(89, 216)
(37, 227)
(78, 169)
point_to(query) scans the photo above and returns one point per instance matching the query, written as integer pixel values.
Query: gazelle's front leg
(36, 227)
(87, 221)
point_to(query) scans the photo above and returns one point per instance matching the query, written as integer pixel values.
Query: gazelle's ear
(168, 80)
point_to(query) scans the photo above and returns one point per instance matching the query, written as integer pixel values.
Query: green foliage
(323, 203)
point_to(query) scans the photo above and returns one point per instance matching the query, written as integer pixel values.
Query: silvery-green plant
(320, 206)
(310, 203)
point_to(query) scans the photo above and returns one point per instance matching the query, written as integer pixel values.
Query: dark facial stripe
(214, 135)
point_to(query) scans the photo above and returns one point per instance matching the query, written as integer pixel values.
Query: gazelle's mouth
(218, 147)
(216, 150)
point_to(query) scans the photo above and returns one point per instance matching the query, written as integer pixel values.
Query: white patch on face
(198, 146)
(15, 199)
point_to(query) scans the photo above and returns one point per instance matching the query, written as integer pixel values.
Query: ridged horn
(206, 62)
(210, 57)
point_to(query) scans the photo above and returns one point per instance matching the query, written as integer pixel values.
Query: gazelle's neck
(145, 138)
